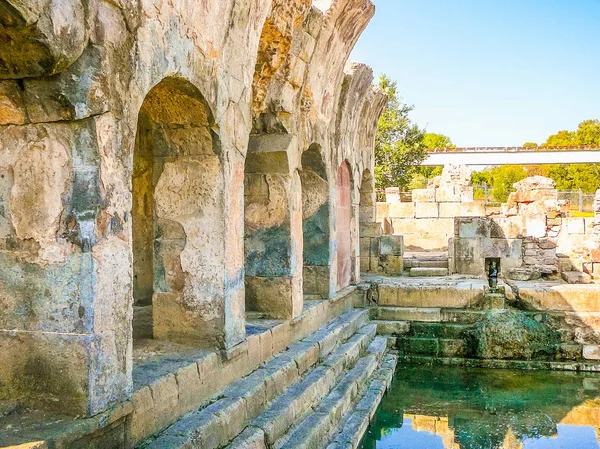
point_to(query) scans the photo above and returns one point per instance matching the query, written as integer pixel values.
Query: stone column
(273, 222)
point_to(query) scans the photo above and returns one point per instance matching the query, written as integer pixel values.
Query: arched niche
(315, 223)
(177, 218)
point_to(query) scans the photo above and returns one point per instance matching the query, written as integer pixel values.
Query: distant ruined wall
(116, 114)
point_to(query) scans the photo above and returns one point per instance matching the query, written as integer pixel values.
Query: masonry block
(468, 258)
(391, 245)
(472, 227)
(402, 210)
(370, 229)
(392, 194)
(423, 195)
(383, 211)
(426, 210)
(394, 265)
(448, 194)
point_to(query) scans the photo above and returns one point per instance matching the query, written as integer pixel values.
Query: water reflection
(467, 408)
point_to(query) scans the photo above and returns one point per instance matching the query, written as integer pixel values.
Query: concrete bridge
(513, 155)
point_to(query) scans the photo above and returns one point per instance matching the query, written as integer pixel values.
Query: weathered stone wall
(115, 114)
(427, 222)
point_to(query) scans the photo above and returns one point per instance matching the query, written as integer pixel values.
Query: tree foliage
(572, 176)
(399, 146)
(433, 140)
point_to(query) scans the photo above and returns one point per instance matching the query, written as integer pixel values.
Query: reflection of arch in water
(177, 215)
(315, 223)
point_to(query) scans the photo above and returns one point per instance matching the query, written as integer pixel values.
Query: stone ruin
(178, 165)
(427, 222)
(531, 235)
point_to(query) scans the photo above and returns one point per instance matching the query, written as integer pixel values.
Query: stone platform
(171, 380)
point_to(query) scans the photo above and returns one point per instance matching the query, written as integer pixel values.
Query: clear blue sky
(490, 72)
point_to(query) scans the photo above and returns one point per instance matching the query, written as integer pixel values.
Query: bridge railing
(514, 149)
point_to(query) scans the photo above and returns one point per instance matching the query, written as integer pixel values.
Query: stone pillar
(65, 276)
(273, 227)
(315, 224)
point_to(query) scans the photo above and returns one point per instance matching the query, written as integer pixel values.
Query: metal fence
(577, 200)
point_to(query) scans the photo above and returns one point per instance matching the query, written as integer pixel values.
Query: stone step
(354, 424)
(292, 406)
(576, 277)
(422, 314)
(428, 272)
(434, 347)
(338, 343)
(417, 263)
(316, 429)
(390, 327)
(437, 330)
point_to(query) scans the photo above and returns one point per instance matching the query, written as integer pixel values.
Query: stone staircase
(426, 264)
(424, 334)
(320, 391)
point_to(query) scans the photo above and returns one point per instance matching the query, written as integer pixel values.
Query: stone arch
(177, 217)
(315, 223)
(273, 227)
(345, 259)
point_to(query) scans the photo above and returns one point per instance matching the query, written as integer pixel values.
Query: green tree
(433, 140)
(576, 176)
(422, 174)
(500, 179)
(399, 147)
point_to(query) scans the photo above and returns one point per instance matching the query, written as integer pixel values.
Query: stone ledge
(138, 418)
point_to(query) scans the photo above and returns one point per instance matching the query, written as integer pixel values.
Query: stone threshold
(167, 387)
(581, 366)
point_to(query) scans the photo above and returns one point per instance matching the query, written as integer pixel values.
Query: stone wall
(136, 137)
(427, 222)
(532, 237)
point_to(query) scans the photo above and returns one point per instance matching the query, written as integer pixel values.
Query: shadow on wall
(177, 217)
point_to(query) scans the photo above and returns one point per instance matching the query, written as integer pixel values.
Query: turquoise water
(472, 408)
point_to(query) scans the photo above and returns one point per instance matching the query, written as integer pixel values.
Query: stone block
(450, 210)
(387, 295)
(392, 327)
(402, 210)
(507, 227)
(531, 195)
(472, 227)
(535, 226)
(501, 248)
(466, 194)
(468, 257)
(275, 296)
(369, 229)
(462, 210)
(394, 265)
(58, 372)
(392, 194)
(426, 210)
(448, 194)
(391, 245)
(576, 277)
(575, 225)
(423, 195)
(591, 352)
(383, 211)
